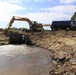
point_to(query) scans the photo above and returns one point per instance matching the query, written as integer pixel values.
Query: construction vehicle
(65, 25)
(34, 26)
(47, 25)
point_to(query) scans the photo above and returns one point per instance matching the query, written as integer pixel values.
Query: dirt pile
(3, 38)
(62, 44)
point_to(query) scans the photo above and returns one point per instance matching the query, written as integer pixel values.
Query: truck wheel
(68, 29)
(73, 28)
(53, 29)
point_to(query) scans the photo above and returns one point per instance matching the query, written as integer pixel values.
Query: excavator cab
(34, 25)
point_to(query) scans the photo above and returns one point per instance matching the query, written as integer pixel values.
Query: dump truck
(65, 25)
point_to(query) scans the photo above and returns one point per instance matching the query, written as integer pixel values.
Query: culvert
(17, 38)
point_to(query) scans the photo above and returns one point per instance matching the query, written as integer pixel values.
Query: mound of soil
(62, 44)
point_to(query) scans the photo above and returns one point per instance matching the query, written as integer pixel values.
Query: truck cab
(73, 24)
(63, 25)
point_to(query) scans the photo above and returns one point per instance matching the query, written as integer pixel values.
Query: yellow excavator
(34, 26)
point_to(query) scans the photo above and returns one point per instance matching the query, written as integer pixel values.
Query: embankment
(62, 44)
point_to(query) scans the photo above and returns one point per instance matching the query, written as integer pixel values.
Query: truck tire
(67, 28)
(53, 29)
(73, 28)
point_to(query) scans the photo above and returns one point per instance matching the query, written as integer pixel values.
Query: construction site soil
(62, 44)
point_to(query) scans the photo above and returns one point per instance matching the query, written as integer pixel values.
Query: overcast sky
(42, 11)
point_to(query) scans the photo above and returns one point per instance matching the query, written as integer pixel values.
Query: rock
(68, 73)
(54, 62)
(52, 72)
(73, 69)
(62, 60)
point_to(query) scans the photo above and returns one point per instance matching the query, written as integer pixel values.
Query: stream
(24, 60)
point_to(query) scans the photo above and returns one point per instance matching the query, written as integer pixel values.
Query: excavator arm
(10, 23)
(18, 19)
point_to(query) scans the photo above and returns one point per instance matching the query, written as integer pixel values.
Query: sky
(42, 11)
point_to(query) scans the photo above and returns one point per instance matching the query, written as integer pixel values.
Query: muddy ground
(62, 44)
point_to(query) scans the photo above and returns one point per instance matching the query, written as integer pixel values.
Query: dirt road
(24, 60)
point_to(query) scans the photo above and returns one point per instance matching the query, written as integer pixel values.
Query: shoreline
(62, 44)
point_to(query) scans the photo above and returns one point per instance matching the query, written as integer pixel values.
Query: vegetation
(1, 38)
(4, 43)
(17, 29)
(74, 16)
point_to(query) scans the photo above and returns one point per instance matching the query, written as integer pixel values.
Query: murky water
(24, 60)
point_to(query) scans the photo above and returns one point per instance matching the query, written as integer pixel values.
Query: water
(24, 60)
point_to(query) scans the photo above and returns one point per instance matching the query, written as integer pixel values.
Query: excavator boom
(10, 23)
(18, 19)
(23, 19)
(47, 25)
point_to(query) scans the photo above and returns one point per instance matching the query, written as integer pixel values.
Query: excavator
(34, 26)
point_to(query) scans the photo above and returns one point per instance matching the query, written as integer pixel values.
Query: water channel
(24, 60)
